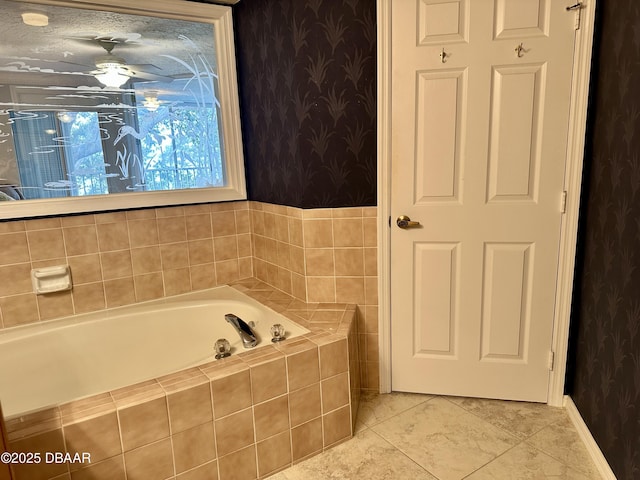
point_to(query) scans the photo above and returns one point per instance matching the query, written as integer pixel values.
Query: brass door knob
(405, 222)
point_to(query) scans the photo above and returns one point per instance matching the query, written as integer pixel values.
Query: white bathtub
(58, 361)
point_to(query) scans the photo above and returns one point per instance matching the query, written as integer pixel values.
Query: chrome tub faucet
(247, 335)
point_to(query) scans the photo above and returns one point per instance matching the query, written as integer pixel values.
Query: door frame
(572, 185)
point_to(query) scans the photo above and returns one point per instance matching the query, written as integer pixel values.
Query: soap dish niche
(51, 279)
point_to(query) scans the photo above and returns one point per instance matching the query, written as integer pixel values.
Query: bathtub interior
(75, 357)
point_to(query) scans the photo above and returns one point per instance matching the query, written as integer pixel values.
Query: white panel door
(480, 107)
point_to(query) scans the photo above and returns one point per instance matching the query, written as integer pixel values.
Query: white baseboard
(592, 447)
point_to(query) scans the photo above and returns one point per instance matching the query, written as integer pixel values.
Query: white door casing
(488, 191)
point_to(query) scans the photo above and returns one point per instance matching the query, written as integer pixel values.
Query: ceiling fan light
(112, 78)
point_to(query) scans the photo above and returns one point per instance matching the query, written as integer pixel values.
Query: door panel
(521, 18)
(436, 271)
(440, 100)
(478, 152)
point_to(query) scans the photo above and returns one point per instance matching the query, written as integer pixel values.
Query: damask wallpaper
(307, 74)
(606, 313)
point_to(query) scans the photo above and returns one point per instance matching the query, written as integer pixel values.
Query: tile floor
(420, 437)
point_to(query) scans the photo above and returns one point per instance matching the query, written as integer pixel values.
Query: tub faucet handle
(223, 348)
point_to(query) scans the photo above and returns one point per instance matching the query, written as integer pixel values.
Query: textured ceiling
(64, 46)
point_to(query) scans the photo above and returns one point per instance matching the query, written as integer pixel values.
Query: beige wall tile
(85, 268)
(245, 267)
(348, 232)
(113, 236)
(321, 289)
(110, 469)
(51, 441)
(151, 461)
(88, 297)
(295, 232)
(297, 260)
(337, 426)
(227, 272)
(172, 229)
(208, 471)
(257, 222)
(303, 369)
(194, 447)
(317, 213)
(244, 245)
(111, 217)
(200, 251)
(234, 432)
(99, 436)
(145, 423)
(14, 248)
(371, 290)
(370, 226)
(231, 393)
(371, 261)
(225, 248)
(319, 261)
(149, 286)
(143, 233)
(284, 255)
(80, 240)
(318, 233)
(274, 454)
(304, 404)
(299, 286)
(283, 281)
(270, 225)
(43, 223)
(117, 264)
(348, 212)
(350, 290)
(119, 292)
(174, 255)
(335, 392)
(243, 222)
(268, 380)
(45, 244)
(177, 281)
(271, 417)
(189, 408)
(140, 214)
(203, 276)
(271, 250)
(12, 227)
(198, 226)
(370, 319)
(55, 305)
(333, 359)
(282, 228)
(306, 439)
(223, 223)
(19, 309)
(349, 261)
(240, 465)
(165, 212)
(146, 260)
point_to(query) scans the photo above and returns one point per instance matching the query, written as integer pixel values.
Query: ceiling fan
(113, 71)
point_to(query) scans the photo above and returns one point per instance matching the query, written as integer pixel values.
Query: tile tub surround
(122, 258)
(323, 255)
(318, 255)
(247, 416)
